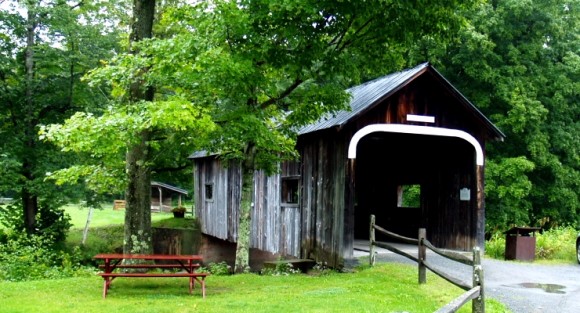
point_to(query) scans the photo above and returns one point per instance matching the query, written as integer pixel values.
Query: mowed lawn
(383, 288)
(103, 217)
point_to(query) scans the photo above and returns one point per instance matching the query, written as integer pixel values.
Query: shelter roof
(367, 95)
(167, 186)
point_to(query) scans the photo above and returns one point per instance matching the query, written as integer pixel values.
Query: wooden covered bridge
(410, 151)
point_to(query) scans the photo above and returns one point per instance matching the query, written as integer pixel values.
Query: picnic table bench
(188, 263)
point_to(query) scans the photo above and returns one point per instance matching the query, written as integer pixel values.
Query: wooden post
(478, 304)
(372, 242)
(422, 255)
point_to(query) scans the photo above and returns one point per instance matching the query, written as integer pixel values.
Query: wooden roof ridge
(366, 95)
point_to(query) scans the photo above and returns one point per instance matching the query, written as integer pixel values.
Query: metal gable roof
(364, 96)
(167, 186)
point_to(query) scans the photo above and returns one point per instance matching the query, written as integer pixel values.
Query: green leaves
(519, 63)
(507, 190)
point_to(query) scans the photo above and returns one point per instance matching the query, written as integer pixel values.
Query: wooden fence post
(372, 241)
(478, 304)
(422, 255)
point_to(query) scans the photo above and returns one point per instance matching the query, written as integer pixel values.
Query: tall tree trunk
(138, 199)
(242, 263)
(29, 198)
(138, 193)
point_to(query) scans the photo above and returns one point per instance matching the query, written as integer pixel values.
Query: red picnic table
(188, 263)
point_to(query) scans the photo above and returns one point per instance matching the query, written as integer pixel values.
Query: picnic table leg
(105, 287)
(191, 284)
(203, 287)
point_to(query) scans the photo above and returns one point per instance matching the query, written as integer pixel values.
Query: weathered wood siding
(441, 166)
(323, 180)
(274, 228)
(219, 215)
(275, 225)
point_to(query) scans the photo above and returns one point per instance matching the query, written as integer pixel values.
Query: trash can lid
(522, 230)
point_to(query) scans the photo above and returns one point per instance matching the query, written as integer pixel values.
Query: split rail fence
(473, 291)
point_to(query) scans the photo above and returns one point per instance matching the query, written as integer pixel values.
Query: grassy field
(106, 228)
(103, 217)
(384, 288)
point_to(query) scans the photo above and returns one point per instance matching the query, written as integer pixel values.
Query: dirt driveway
(522, 287)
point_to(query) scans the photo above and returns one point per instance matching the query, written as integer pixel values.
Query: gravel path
(522, 287)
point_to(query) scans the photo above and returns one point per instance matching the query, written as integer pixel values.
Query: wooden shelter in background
(164, 195)
(407, 132)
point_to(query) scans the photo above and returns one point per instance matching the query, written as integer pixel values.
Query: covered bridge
(410, 150)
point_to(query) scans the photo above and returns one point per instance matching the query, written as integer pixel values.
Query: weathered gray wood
(449, 254)
(323, 199)
(478, 304)
(398, 251)
(460, 301)
(422, 254)
(461, 284)
(395, 236)
(372, 242)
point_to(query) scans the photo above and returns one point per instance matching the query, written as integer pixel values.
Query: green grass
(106, 228)
(384, 288)
(104, 217)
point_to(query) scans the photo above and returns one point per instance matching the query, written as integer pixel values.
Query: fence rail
(474, 290)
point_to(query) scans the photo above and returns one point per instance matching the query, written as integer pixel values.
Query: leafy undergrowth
(384, 288)
(554, 245)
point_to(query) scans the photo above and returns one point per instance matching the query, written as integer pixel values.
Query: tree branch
(170, 169)
(354, 36)
(339, 37)
(284, 93)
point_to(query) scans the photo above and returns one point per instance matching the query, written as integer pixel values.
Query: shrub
(108, 239)
(495, 246)
(321, 268)
(557, 244)
(31, 257)
(52, 222)
(281, 269)
(219, 269)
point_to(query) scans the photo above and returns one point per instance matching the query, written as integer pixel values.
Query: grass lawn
(106, 228)
(384, 288)
(103, 217)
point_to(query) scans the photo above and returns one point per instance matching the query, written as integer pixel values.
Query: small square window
(290, 190)
(409, 196)
(208, 191)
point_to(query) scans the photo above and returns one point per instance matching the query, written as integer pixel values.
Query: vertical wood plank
(372, 241)
(422, 256)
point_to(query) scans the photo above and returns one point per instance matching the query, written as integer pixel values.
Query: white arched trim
(418, 130)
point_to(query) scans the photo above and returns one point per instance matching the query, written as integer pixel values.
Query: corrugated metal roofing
(365, 95)
(166, 186)
(201, 154)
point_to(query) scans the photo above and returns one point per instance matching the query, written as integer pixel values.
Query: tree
(46, 49)
(149, 127)
(260, 69)
(265, 68)
(519, 62)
